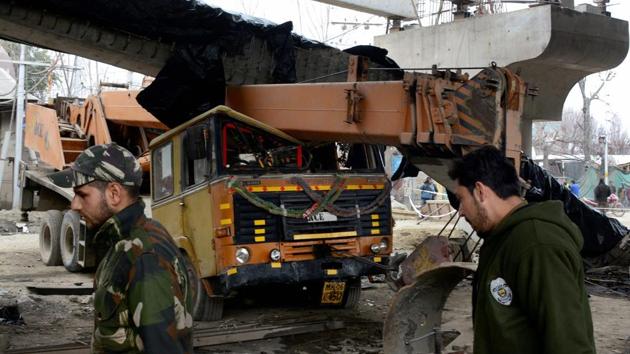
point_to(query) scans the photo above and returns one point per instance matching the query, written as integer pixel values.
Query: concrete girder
(251, 64)
(78, 36)
(551, 47)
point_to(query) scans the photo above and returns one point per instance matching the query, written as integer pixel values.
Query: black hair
(133, 191)
(489, 166)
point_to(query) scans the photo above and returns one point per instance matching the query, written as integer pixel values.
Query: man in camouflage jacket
(142, 299)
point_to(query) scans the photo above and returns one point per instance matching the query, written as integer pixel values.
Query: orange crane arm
(440, 115)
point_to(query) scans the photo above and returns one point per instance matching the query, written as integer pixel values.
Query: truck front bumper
(300, 272)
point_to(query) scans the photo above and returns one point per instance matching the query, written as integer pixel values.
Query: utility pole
(19, 130)
(603, 139)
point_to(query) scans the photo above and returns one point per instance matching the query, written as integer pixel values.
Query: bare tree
(617, 135)
(566, 137)
(316, 21)
(587, 99)
(543, 138)
(571, 135)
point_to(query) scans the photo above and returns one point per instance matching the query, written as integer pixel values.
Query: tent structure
(616, 178)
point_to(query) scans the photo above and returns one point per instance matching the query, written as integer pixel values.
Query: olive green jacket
(529, 294)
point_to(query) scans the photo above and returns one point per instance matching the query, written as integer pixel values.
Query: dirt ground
(68, 319)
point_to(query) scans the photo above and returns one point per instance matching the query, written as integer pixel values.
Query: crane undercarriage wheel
(49, 235)
(69, 241)
(205, 307)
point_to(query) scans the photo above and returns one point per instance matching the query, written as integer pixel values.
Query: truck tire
(353, 293)
(205, 307)
(197, 287)
(49, 235)
(69, 241)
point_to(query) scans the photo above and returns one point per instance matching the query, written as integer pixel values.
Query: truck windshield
(248, 149)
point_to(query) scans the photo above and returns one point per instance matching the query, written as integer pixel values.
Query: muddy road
(63, 319)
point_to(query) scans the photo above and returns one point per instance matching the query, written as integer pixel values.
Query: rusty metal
(357, 68)
(353, 98)
(432, 252)
(416, 311)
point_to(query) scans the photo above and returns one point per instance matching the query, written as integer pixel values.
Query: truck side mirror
(196, 143)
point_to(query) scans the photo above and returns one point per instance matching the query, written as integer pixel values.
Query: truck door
(196, 201)
(165, 205)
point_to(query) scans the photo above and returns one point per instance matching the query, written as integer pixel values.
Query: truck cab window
(347, 157)
(196, 169)
(361, 157)
(249, 149)
(162, 161)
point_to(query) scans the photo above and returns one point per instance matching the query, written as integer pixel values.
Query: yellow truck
(250, 205)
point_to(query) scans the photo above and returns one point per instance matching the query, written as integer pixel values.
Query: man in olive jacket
(528, 291)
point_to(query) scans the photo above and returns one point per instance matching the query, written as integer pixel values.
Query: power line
(346, 32)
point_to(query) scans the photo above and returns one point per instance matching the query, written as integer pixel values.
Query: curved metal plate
(416, 310)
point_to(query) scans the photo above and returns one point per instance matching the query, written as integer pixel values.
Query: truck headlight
(274, 254)
(379, 247)
(384, 243)
(242, 255)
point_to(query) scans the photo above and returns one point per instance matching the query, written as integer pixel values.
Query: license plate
(323, 216)
(333, 292)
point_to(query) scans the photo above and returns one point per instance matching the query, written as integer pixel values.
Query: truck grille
(279, 228)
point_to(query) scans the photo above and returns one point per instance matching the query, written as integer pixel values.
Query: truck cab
(250, 205)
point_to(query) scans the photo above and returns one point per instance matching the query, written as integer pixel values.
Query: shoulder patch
(501, 291)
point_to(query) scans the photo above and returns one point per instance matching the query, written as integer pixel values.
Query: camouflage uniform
(142, 301)
(143, 298)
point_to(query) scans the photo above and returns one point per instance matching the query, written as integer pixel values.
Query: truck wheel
(69, 241)
(205, 307)
(199, 294)
(353, 293)
(49, 238)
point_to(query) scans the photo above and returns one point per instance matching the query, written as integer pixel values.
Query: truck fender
(184, 244)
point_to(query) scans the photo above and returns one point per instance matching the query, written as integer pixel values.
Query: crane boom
(431, 116)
